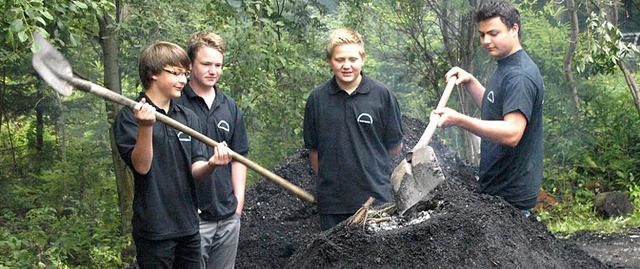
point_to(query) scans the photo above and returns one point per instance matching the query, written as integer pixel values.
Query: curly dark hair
(500, 8)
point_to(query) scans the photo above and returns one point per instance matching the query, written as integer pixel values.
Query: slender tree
(567, 64)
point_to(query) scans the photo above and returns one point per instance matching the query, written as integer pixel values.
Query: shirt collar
(172, 104)
(510, 58)
(188, 91)
(363, 87)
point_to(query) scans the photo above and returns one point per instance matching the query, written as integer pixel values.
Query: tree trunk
(62, 128)
(566, 63)
(461, 53)
(2, 91)
(631, 83)
(124, 178)
(39, 125)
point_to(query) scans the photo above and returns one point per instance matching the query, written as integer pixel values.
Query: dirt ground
(617, 250)
(465, 229)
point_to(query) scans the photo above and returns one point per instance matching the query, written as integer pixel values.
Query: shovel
(419, 173)
(56, 71)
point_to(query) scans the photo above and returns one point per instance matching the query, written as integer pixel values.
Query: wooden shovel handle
(433, 119)
(105, 93)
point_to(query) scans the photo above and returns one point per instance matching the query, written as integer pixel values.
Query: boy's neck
(161, 101)
(350, 87)
(207, 93)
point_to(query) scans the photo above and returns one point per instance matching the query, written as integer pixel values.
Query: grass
(577, 214)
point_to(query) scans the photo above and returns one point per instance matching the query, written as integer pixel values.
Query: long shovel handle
(107, 94)
(433, 119)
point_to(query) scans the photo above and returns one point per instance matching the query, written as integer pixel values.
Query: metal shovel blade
(415, 181)
(419, 173)
(52, 66)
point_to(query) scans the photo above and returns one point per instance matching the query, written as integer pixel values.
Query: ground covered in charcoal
(465, 229)
(617, 250)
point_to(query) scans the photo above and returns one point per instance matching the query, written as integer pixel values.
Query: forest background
(66, 195)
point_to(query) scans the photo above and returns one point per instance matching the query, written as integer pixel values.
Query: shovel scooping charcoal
(419, 173)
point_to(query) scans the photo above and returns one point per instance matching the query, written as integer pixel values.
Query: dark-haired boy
(511, 125)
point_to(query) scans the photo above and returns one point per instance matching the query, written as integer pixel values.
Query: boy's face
(206, 68)
(499, 41)
(171, 80)
(346, 63)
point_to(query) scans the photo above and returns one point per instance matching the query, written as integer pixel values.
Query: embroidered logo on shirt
(365, 118)
(490, 97)
(223, 125)
(184, 137)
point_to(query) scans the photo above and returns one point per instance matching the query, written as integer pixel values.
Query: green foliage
(24, 18)
(576, 213)
(601, 46)
(60, 203)
(270, 72)
(544, 38)
(596, 152)
(66, 213)
(69, 238)
(598, 147)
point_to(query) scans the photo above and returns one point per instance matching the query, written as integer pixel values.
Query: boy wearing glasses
(164, 162)
(221, 195)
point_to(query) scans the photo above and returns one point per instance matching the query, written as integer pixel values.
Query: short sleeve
(240, 142)
(310, 134)
(198, 148)
(393, 133)
(519, 95)
(125, 130)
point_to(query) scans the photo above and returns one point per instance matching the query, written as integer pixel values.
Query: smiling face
(497, 39)
(169, 82)
(346, 62)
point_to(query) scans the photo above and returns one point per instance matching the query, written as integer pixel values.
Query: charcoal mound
(466, 229)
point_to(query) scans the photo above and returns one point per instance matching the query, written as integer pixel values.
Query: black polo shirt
(514, 173)
(352, 135)
(164, 203)
(223, 122)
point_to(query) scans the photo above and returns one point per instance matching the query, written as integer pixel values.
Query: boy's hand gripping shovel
(56, 71)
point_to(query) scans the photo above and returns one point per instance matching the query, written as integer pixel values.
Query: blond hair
(204, 39)
(344, 36)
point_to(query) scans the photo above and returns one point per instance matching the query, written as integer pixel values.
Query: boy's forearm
(142, 154)
(313, 157)
(201, 170)
(395, 150)
(507, 132)
(476, 90)
(239, 180)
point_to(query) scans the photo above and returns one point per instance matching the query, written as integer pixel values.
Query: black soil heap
(466, 229)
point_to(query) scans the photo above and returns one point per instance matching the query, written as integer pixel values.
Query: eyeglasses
(176, 73)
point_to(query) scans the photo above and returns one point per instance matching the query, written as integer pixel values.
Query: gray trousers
(219, 242)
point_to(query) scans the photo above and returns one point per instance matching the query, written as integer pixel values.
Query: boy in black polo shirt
(164, 163)
(352, 127)
(220, 196)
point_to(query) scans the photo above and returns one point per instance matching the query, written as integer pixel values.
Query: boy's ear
(515, 29)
